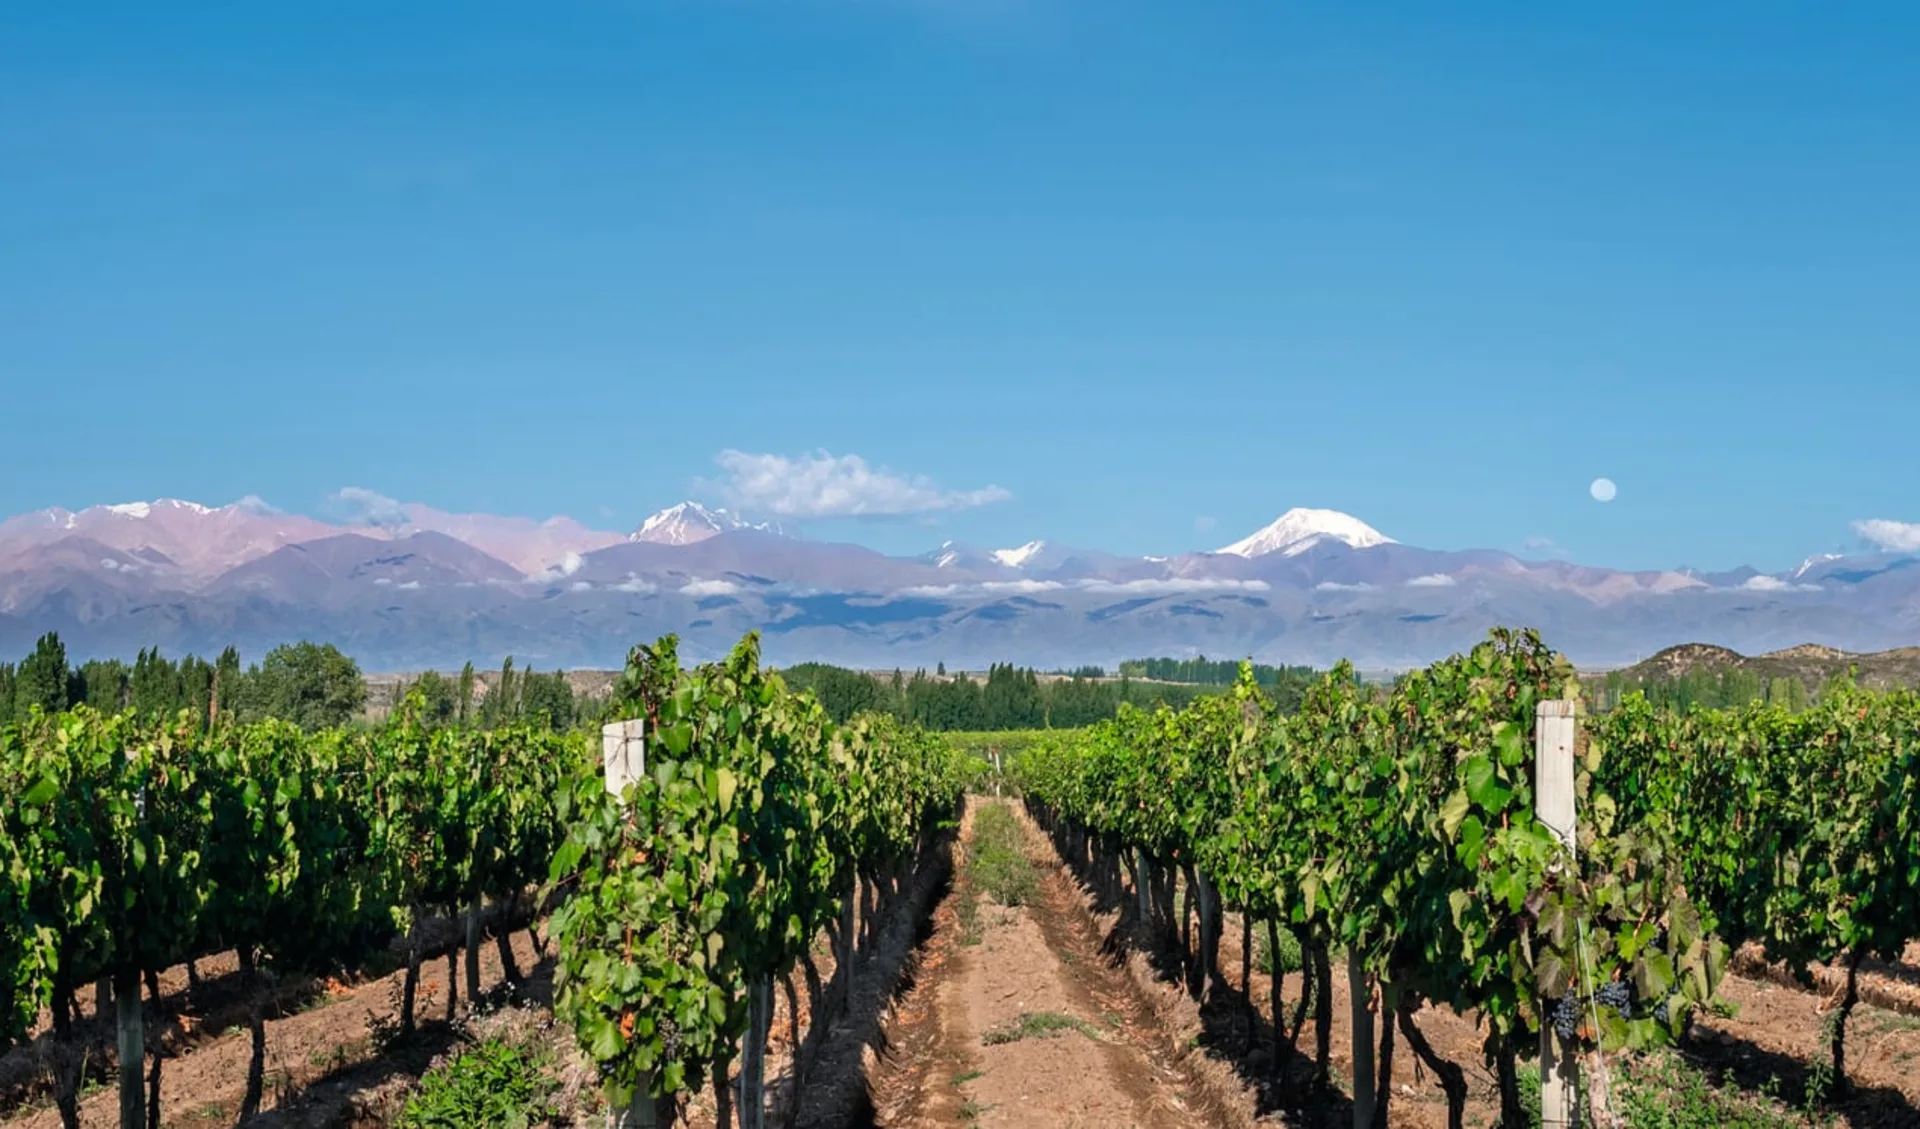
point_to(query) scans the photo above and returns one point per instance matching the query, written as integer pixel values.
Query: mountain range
(419, 587)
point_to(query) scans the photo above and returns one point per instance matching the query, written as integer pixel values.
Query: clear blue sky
(1139, 265)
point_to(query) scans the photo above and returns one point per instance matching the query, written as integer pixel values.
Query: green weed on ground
(1661, 1091)
(1263, 953)
(997, 861)
(1038, 1025)
(493, 1084)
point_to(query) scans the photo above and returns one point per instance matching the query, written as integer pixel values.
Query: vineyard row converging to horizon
(1398, 826)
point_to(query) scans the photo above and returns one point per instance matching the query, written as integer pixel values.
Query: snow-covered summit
(1814, 562)
(1019, 557)
(1301, 529)
(691, 522)
(146, 509)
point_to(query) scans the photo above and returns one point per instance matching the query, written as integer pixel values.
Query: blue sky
(1128, 275)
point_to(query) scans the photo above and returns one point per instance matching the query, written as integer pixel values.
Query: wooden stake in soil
(753, 1061)
(1553, 739)
(1360, 997)
(133, 1049)
(1143, 878)
(623, 754)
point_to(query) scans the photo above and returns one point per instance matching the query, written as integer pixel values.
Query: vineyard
(1402, 829)
(132, 848)
(728, 837)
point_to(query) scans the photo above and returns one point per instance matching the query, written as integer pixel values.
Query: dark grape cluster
(670, 1039)
(1618, 995)
(1660, 1013)
(1566, 1017)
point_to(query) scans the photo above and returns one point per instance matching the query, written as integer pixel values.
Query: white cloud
(359, 506)
(580, 586)
(1101, 587)
(1336, 586)
(634, 584)
(709, 588)
(255, 504)
(1432, 580)
(109, 563)
(995, 587)
(1546, 547)
(568, 565)
(1894, 536)
(827, 485)
(409, 585)
(383, 580)
(1775, 584)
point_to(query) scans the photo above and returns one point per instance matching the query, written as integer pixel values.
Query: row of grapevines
(132, 846)
(755, 823)
(1802, 830)
(1400, 827)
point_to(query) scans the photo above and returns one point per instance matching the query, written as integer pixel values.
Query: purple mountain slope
(1313, 586)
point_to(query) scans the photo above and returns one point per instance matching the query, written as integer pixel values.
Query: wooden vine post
(623, 754)
(753, 1060)
(1360, 997)
(1553, 790)
(132, 1046)
(130, 1024)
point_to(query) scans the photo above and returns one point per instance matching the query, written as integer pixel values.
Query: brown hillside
(1811, 663)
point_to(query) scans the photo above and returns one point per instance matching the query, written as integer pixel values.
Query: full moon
(1603, 490)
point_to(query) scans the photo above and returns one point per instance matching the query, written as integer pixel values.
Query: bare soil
(1029, 960)
(324, 1064)
(1765, 1048)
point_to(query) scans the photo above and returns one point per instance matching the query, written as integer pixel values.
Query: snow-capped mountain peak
(1813, 562)
(145, 509)
(1019, 557)
(691, 522)
(1300, 529)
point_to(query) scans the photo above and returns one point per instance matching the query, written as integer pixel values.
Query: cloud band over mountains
(824, 485)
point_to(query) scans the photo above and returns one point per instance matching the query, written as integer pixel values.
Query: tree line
(1204, 671)
(1009, 697)
(313, 685)
(1702, 688)
(510, 696)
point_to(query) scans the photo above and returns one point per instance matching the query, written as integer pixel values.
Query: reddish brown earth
(1028, 960)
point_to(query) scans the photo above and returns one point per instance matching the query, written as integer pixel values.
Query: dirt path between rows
(1766, 1045)
(1022, 1023)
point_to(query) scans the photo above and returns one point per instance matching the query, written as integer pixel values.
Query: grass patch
(1289, 952)
(1660, 1091)
(966, 906)
(962, 1079)
(493, 1083)
(1038, 1025)
(997, 861)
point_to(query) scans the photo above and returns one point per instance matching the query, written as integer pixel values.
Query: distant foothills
(315, 685)
(408, 587)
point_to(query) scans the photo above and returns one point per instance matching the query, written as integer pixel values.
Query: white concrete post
(1553, 740)
(623, 755)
